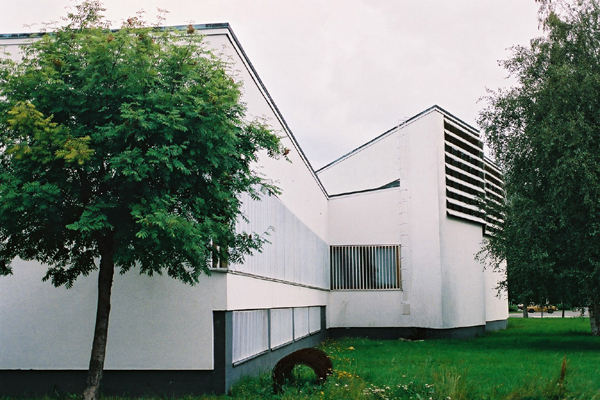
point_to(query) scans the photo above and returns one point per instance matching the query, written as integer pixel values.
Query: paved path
(555, 314)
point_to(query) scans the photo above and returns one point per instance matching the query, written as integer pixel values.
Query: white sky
(344, 71)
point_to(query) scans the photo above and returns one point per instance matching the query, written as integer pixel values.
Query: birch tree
(545, 134)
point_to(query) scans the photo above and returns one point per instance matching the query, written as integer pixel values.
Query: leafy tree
(545, 134)
(129, 147)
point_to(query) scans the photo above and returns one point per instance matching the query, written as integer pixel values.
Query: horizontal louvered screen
(465, 173)
(494, 194)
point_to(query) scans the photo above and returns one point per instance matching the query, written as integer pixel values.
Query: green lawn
(522, 362)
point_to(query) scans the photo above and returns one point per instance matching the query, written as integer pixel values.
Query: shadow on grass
(569, 343)
(544, 335)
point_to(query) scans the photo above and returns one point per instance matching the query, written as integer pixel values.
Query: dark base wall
(499, 325)
(24, 383)
(418, 333)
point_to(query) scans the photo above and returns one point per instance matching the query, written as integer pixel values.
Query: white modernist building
(379, 243)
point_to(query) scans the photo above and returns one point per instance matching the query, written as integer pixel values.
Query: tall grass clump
(449, 383)
(545, 389)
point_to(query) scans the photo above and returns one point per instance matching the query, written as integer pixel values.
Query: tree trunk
(594, 310)
(105, 281)
(525, 312)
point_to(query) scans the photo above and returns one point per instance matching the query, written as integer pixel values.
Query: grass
(534, 359)
(525, 359)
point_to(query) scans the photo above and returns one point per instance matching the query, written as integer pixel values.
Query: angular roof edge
(278, 113)
(435, 107)
(245, 59)
(25, 35)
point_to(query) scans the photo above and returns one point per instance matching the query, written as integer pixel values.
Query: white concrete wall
(247, 293)
(294, 253)
(365, 218)
(367, 309)
(422, 169)
(11, 47)
(42, 326)
(162, 323)
(155, 323)
(464, 289)
(496, 307)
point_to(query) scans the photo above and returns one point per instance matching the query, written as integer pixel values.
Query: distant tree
(126, 146)
(545, 134)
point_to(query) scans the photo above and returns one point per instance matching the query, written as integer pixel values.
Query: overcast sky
(344, 71)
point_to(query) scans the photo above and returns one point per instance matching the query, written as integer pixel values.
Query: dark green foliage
(137, 135)
(545, 134)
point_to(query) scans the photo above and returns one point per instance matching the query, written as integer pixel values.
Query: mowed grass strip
(523, 361)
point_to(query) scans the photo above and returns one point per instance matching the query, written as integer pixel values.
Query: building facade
(379, 243)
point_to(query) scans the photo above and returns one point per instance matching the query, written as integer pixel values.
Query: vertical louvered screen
(294, 252)
(254, 331)
(250, 333)
(365, 267)
(300, 322)
(282, 326)
(494, 195)
(314, 319)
